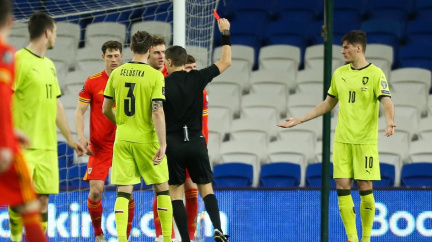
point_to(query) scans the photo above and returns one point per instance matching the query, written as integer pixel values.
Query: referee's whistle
(185, 133)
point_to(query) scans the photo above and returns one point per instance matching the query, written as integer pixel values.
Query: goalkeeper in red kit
(102, 135)
(16, 187)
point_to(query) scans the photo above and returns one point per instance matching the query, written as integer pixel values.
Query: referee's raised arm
(225, 59)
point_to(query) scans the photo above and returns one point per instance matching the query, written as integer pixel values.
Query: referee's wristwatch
(225, 32)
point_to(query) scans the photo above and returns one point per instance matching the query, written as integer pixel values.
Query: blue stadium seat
(400, 10)
(314, 174)
(63, 171)
(414, 56)
(252, 10)
(280, 174)
(384, 31)
(75, 175)
(64, 150)
(311, 8)
(244, 33)
(342, 24)
(233, 175)
(423, 9)
(25, 8)
(142, 186)
(417, 175)
(419, 32)
(354, 8)
(387, 176)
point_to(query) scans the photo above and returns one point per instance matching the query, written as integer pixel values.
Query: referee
(186, 145)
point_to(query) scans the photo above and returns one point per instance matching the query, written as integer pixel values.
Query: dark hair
(190, 59)
(158, 40)
(38, 23)
(177, 55)
(141, 42)
(356, 37)
(5, 11)
(113, 45)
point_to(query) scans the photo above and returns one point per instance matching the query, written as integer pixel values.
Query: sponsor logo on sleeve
(385, 92)
(163, 91)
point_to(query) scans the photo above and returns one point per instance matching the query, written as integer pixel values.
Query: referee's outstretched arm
(225, 59)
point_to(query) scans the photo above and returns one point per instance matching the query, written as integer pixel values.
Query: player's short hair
(5, 11)
(158, 40)
(177, 55)
(113, 45)
(38, 23)
(356, 37)
(190, 59)
(141, 42)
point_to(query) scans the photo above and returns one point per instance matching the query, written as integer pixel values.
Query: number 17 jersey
(134, 86)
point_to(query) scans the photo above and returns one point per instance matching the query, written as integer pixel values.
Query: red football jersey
(7, 77)
(205, 130)
(102, 130)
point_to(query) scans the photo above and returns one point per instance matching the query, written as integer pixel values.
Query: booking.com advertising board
(251, 215)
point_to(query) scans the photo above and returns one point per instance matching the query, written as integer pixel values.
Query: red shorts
(98, 165)
(16, 185)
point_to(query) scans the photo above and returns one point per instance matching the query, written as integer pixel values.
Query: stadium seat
(98, 33)
(425, 128)
(310, 76)
(281, 58)
(75, 175)
(410, 96)
(254, 11)
(142, 186)
(237, 75)
(62, 161)
(233, 175)
(423, 9)
(420, 151)
(200, 54)
(413, 77)
(240, 54)
(66, 152)
(226, 101)
(413, 56)
(387, 176)
(262, 78)
(309, 131)
(417, 175)
(384, 31)
(400, 10)
(299, 9)
(281, 174)
(300, 103)
(252, 130)
(89, 60)
(251, 153)
(213, 146)
(155, 28)
(381, 56)
(219, 121)
(260, 112)
(265, 100)
(287, 33)
(353, 7)
(280, 91)
(418, 32)
(159, 12)
(314, 175)
(314, 57)
(244, 33)
(18, 36)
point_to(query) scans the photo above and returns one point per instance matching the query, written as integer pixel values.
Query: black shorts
(191, 155)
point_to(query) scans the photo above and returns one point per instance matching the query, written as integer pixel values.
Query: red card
(216, 15)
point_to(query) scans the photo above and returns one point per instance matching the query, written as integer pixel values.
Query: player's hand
(79, 148)
(22, 138)
(390, 129)
(290, 122)
(86, 143)
(223, 24)
(6, 157)
(160, 153)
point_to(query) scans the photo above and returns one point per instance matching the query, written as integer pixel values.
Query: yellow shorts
(43, 168)
(134, 160)
(359, 162)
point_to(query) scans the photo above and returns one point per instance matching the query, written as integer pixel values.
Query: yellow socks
(347, 212)
(165, 212)
(16, 225)
(367, 213)
(121, 208)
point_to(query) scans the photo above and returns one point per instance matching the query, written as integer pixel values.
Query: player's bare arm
(158, 117)
(327, 105)
(225, 59)
(63, 126)
(389, 115)
(107, 109)
(79, 124)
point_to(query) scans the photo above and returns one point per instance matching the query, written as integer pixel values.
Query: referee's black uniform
(186, 145)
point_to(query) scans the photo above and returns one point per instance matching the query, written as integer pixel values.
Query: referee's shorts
(192, 154)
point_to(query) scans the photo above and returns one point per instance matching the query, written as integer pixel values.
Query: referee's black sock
(211, 205)
(180, 217)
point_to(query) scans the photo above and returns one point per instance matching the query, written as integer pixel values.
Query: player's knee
(95, 194)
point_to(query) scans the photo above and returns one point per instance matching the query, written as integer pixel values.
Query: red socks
(95, 210)
(192, 211)
(131, 212)
(32, 223)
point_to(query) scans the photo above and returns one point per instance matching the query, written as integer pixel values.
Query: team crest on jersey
(7, 57)
(89, 170)
(365, 80)
(384, 84)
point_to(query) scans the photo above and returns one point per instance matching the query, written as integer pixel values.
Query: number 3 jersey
(36, 90)
(134, 86)
(358, 92)
(102, 130)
